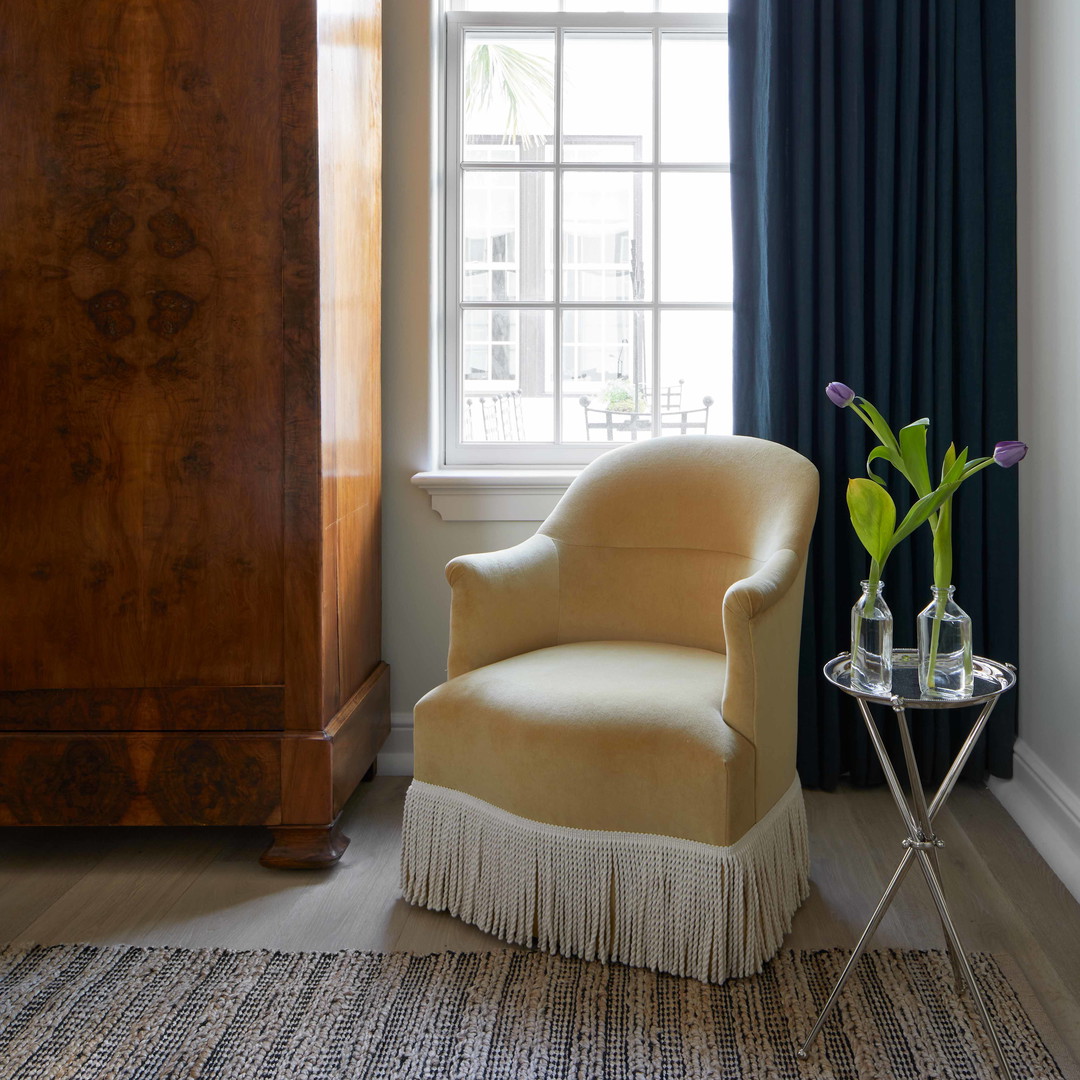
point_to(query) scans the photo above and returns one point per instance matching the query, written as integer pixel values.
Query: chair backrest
(651, 535)
(671, 396)
(494, 417)
(674, 420)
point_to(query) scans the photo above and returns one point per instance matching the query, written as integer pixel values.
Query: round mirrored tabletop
(991, 679)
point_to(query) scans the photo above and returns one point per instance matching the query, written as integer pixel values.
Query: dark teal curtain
(873, 200)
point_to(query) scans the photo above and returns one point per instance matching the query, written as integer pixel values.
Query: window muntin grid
(609, 272)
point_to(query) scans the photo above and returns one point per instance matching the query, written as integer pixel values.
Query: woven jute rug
(81, 1012)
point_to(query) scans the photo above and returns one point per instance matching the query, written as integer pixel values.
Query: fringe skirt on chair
(659, 902)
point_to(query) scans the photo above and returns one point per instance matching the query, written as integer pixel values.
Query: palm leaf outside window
(503, 77)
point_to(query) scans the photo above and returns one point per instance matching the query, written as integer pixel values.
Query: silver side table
(921, 844)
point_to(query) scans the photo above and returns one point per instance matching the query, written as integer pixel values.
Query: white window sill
(494, 494)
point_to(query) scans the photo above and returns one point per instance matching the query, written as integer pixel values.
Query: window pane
(693, 98)
(695, 373)
(507, 373)
(695, 237)
(606, 361)
(608, 5)
(509, 103)
(607, 236)
(506, 244)
(607, 97)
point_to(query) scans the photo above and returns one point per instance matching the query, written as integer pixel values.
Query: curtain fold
(874, 227)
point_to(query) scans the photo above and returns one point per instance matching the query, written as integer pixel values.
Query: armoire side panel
(141, 424)
(350, 171)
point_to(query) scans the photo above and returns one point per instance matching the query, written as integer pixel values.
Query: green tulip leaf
(956, 472)
(913, 451)
(873, 514)
(950, 460)
(875, 454)
(921, 511)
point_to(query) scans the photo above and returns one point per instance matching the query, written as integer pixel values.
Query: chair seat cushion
(621, 736)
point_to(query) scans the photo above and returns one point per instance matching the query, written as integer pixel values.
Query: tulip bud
(1008, 453)
(839, 394)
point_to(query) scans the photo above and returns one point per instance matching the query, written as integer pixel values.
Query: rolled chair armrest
(762, 624)
(503, 603)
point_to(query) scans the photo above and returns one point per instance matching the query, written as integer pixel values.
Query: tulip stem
(873, 582)
(941, 526)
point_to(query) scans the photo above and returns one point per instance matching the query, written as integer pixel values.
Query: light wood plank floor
(204, 887)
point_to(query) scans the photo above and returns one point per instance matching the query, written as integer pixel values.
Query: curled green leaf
(873, 514)
(875, 454)
(913, 451)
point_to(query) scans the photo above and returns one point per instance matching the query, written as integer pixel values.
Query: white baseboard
(1047, 810)
(396, 755)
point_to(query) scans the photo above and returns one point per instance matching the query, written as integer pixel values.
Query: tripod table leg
(965, 967)
(860, 948)
(922, 814)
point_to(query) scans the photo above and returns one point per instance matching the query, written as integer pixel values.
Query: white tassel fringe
(658, 902)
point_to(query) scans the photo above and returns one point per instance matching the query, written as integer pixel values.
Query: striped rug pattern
(86, 1013)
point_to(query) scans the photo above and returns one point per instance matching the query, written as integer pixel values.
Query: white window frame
(457, 454)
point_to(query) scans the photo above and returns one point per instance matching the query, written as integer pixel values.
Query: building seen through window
(589, 250)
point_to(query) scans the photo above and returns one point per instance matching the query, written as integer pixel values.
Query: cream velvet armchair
(609, 772)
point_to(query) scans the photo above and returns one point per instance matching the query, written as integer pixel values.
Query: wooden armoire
(189, 414)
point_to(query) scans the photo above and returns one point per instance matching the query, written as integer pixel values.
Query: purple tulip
(1008, 453)
(839, 394)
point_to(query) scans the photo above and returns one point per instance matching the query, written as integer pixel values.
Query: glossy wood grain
(350, 170)
(179, 708)
(300, 330)
(140, 779)
(358, 730)
(189, 434)
(304, 847)
(141, 426)
(320, 771)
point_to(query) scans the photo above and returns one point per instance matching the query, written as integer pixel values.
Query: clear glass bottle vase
(945, 669)
(871, 642)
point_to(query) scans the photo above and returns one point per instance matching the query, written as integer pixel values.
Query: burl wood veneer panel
(140, 779)
(142, 419)
(350, 168)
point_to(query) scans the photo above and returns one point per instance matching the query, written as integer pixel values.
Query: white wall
(417, 544)
(1045, 794)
